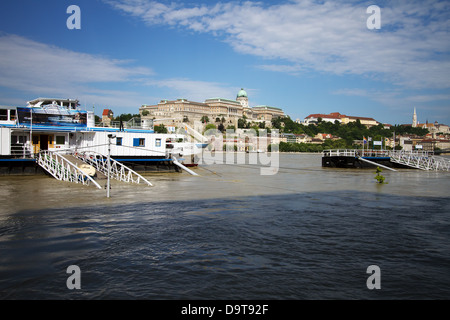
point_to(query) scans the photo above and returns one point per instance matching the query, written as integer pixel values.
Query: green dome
(242, 93)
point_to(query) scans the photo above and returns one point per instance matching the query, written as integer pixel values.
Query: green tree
(210, 126)
(160, 128)
(242, 123)
(204, 119)
(379, 177)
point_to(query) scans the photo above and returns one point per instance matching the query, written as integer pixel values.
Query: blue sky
(302, 56)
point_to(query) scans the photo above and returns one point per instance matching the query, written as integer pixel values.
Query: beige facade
(368, 122)
(173, 112)
(267, 113)
(341, 118)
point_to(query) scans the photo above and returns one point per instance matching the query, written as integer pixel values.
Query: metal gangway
(424, 160)
(117, 170)
(63, 169)
(421, 160)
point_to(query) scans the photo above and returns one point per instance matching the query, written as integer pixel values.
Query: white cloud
(411, 49)
(291, 69)
(194, 90)
(38, 69)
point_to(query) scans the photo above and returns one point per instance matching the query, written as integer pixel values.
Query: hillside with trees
(347, 133)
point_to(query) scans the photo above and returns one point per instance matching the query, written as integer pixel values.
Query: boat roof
(35, 101)
(76, 129)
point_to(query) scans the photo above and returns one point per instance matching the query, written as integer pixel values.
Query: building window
(118, 141)
(60, 140)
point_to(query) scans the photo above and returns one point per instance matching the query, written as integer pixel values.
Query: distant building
(107, 117)
(433, 144)
(314, 118)
(302, 138)
(414, 121)
(341, 118)
(325, 136)
(178, 111)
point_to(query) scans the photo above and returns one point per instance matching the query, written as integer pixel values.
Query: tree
(204, 119)
(241, 123)
(160, 129)
(210, 126)
(126, 117)
(379, 177)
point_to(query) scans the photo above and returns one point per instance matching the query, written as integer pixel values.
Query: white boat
(59, 125)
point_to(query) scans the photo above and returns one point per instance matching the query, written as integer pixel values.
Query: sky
(302, 56)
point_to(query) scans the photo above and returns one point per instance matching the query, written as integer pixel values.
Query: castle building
(174, 112)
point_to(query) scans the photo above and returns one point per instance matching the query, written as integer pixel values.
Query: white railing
(62, 169)
(424, 160)
(21, 150)
(421, 160)
(340, 153)
(118, 170)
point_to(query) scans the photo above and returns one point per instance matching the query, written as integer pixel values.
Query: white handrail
(424, 160)
(118, 170)
(62, 169)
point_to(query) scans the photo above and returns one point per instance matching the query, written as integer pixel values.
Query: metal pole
(109, 167)
(31, 132)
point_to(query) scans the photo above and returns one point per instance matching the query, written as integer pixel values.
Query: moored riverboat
(59, 125)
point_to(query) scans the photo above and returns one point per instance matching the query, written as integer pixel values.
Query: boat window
(23, 139)
(158, 142)
(139, 142)
(118, 141)
(12, 114)
(60, 140)
(3, 114)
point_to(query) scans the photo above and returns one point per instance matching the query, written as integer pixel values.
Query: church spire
(414, 121)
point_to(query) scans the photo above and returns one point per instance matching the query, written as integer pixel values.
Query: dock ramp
(175, 162)
(118, 170)
(63, 169)
(421, 160)
(424, 160)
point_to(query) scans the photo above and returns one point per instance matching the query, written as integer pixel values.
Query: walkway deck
(423, 160)
(86, 168)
